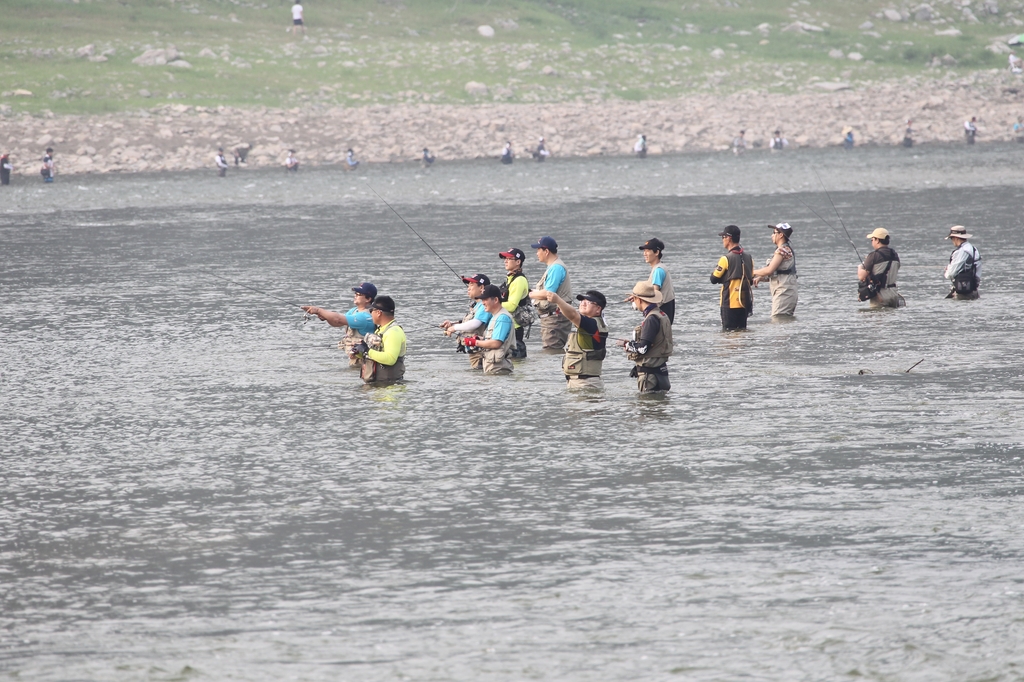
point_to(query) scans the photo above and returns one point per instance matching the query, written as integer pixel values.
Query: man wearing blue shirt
(554, 328)
(475, 321)
(499, 338)
(660, 278)
(358, 320)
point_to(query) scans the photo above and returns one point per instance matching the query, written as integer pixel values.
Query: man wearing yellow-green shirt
(515, 293)
(384, 350)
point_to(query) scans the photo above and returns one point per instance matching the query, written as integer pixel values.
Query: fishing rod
(822, 219)
(415, 232)
(848, 238)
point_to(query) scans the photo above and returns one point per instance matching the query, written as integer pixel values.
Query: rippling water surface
(194, 486)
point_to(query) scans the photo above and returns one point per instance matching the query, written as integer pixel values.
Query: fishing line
(246, 286)
(415, 232)
(848, 238)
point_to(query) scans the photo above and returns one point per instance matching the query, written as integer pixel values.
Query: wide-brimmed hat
(878, 233)
(646, 291)
(958, 231)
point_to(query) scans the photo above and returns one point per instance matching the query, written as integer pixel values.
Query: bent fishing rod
(425, 242)
(848, 238)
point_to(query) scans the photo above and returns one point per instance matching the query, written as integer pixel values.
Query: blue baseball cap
(545, 243)
(366, 289)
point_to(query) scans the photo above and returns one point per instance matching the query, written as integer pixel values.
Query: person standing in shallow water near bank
(291, 163)
(908, 135)
(735, 273)
(5, 169)
(640, 148)
(660, 278)
(651, 345)
(878, 272)
(506, 154)
(222, 163)
(780, 271)
(383, 351)
(964, 269)
(554, 328)
(585, 348)
(778, 142)
(357, 321)
(49, 169)
(971, 129)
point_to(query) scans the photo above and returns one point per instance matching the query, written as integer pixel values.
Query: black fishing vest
(966, 281)
(503, 288)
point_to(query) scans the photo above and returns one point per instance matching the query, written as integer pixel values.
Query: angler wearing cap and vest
(515, 297)
(554, 328)
(651, 345)
(358, 320)
(878, 272)
(780, 271)
(585, 348)
(660, 278)
(964, 269)
(735, 273)
(499, 338)
(475, 320)
(383, 351)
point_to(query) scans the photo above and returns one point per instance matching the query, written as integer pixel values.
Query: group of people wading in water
(492, 332)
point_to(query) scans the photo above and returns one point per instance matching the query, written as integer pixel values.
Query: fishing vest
(585, 353)
(966, 281)
(736, 291)
(374, 372)
(564, 291)
(472, 350)
(660, 349)
(791, 270)
(498, 360)
(885, 271)
(668, 293)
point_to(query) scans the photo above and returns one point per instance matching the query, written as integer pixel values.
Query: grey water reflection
(194, 486)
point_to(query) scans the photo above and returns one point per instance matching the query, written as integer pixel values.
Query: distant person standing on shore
(49, 169)
(5, 169)
(291, 163)
(971, 129)
(428, 159)
(222, 163)
(778, 142)
(297, 22)
(507, 154)
(640, 148)
(350, 160)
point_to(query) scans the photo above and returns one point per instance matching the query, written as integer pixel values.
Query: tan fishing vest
(564, 292)
(667, 291)
(497, 359)
(660, 350)
(580, 358)
(374, 372)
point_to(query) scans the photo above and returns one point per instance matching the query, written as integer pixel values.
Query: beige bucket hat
(645, 291)
(958, 231)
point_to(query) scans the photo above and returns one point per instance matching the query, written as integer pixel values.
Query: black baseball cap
(385, 304)
(594, 296)
(490, 291)
(731, 231)
(366, 289)
(654, 245)
(478, 278)
(513, 253)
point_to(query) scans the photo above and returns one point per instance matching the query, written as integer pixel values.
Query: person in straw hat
(877, 274)
(964, 269)
(651, 345)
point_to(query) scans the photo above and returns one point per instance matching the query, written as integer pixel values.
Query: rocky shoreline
(175, 137)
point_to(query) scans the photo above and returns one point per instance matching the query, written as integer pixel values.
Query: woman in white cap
(780, 271)
(877, 274)
(964, 269)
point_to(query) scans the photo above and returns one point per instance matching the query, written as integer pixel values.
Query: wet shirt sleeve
(502, 328)
(554, 277)
(720, 270)
(360, 321)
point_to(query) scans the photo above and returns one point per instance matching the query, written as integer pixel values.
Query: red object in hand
(469, 341)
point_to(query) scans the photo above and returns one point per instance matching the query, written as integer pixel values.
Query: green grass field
(386, 51)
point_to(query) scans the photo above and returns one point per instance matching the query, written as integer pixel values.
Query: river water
(194, 485)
